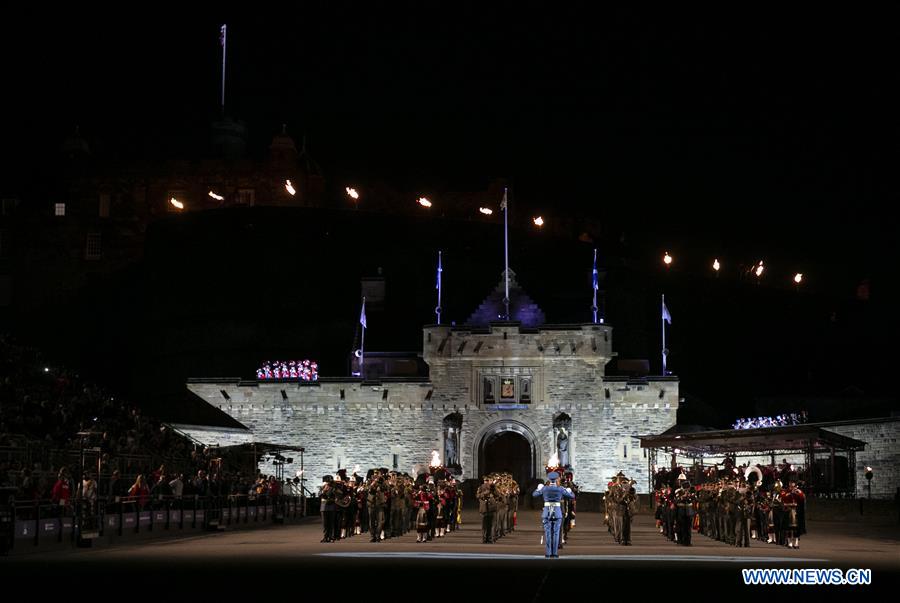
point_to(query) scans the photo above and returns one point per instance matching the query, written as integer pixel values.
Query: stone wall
(882, 453)
(366, 428)
(396, 424)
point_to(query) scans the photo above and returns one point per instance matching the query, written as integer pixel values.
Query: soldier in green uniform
(485, 504)
(376, 499)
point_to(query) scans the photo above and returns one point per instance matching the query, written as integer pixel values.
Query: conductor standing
(551, 516)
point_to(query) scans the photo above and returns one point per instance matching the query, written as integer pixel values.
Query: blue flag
(665, 313)
(362, 314)
(596, 275)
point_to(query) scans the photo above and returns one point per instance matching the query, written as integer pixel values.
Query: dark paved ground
(290, 560)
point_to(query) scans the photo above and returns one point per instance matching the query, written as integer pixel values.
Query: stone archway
(508, 446)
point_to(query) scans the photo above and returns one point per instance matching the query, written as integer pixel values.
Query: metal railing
(39, 522)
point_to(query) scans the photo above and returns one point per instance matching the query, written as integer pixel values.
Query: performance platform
(290, 559)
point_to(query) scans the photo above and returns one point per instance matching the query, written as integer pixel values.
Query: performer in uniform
(792, 498)
(684, 511)
(551, 516)
(326, 495)
(485, 503)
(376, 498)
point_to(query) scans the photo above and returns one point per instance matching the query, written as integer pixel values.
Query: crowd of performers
(733, 505)
(620, 503)
(498, 503)
(387, 504)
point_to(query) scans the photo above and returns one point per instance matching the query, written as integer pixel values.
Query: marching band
(731, 506)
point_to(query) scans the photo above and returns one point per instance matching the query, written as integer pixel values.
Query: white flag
(362, 314)
(665, 313)
(503, 203)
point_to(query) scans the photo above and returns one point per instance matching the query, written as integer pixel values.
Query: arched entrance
(508, 446)
(508, 452)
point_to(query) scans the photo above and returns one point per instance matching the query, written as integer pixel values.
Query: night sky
(763, 134)
(765, 125)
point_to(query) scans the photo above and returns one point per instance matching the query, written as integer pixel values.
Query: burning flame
(352, 193)
(667, 259)
(176, 203)
(539, 221)
(289, 187)
(554, 460)
(486, 210)
(759, 269)
(798, 277)
(435, 459)
(716, 265)
(424, 202)
(216, 197)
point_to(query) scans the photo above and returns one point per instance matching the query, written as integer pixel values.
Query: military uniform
(326, 497)
(684, 513)
(376, 499)
(551, 516)
(486, 508)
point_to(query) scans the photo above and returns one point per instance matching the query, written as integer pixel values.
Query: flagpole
(362, 345)
(595, 284)
(440, 271)
(663, 320)
(224, 50)
(506, 248)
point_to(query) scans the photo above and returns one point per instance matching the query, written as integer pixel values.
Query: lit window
(59, 209)
(93, 250)
(104, 205)
(9, 206)
(247, 196)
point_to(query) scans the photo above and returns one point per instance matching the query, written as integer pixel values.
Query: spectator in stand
(117, 487)
(274, 487)
(201, 484)
(161, 488)
(28, 490)
(139, 491)
(158, 474)
(62, 489)
(87, 494)
(177, 485)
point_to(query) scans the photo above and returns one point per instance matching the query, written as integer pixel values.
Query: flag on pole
(665, 313)
(596, 276)
(503, 203)
(222, 35)
(439, 271)
(362, 314)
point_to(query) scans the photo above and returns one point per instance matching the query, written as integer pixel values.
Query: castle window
(93, 249)
(59, 209)
(247, 196)
(104, 205)
(489, 385)
(524, 390)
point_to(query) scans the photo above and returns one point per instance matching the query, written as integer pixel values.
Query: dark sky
(758, 130)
